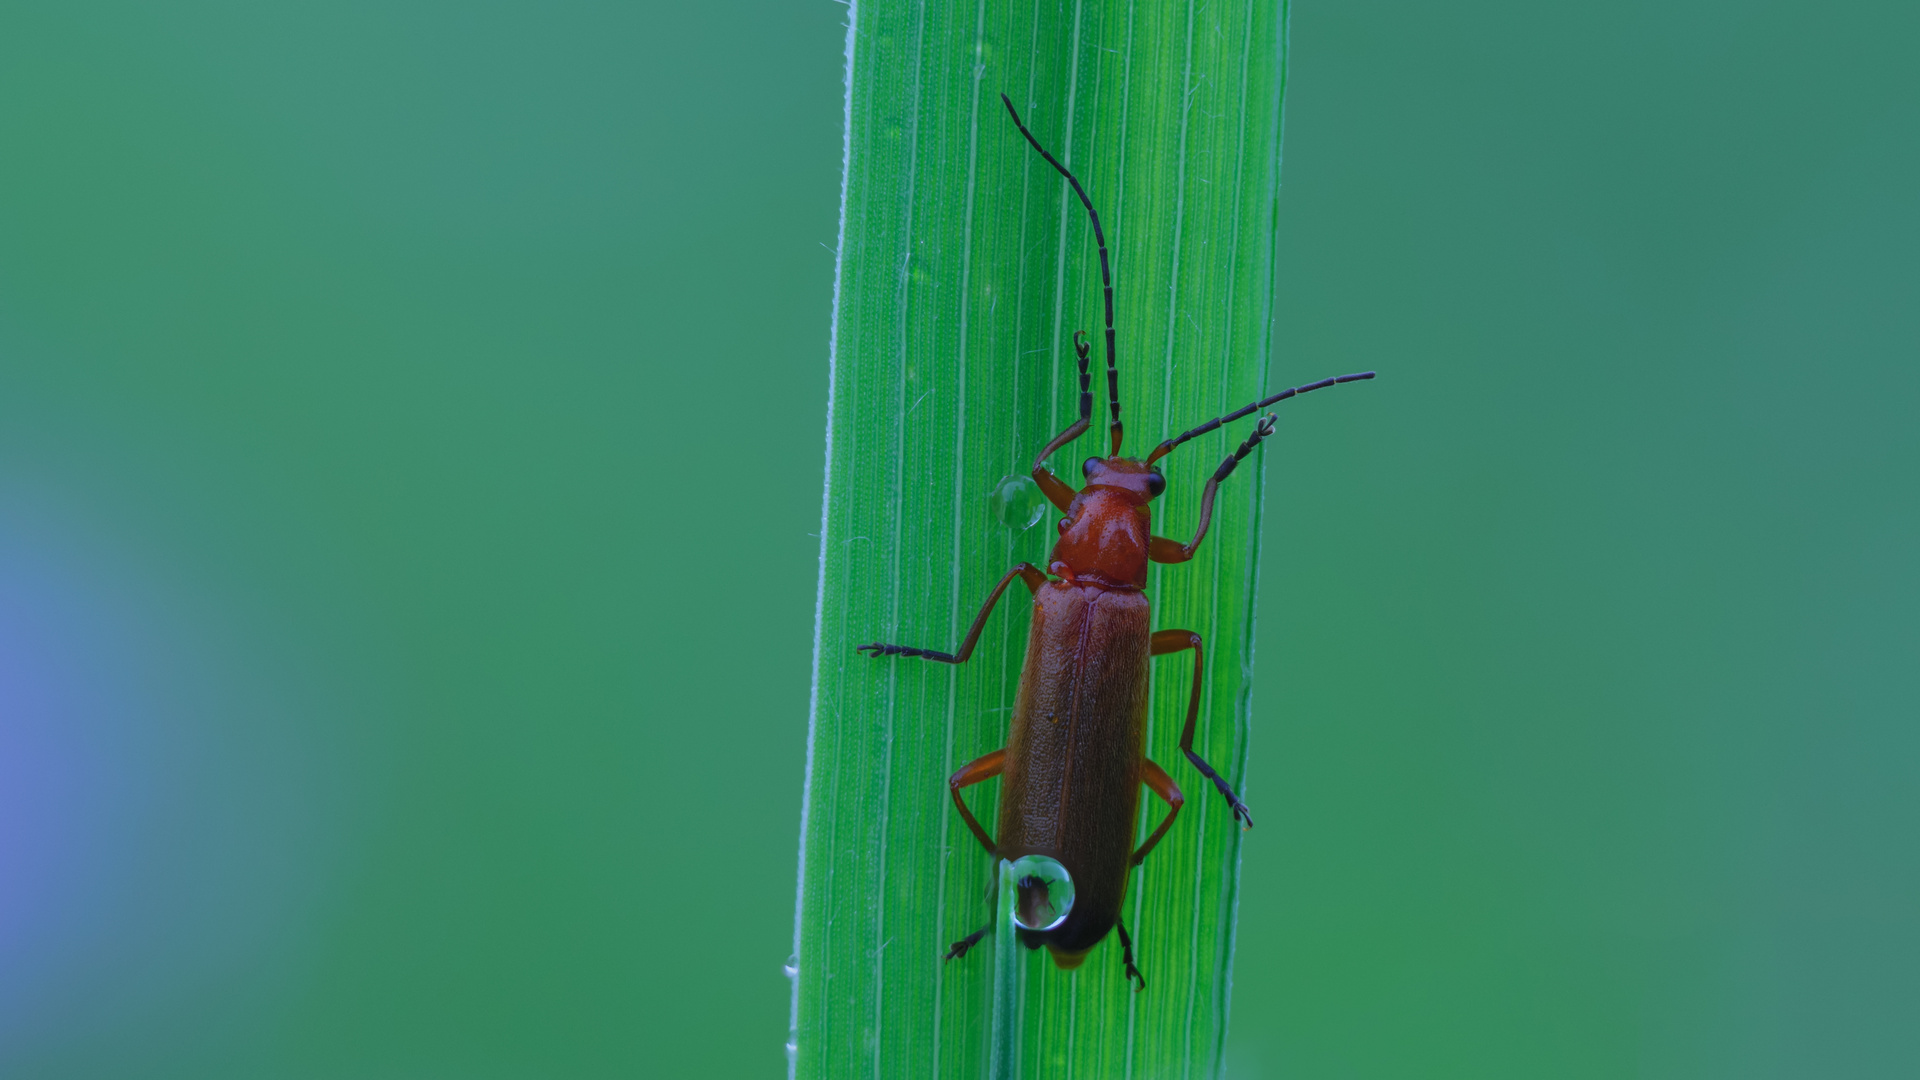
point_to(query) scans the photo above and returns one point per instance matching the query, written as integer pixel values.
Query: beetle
(1075, 757)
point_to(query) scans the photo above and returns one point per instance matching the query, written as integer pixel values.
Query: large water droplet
(792, 966)
(1018, 502)
(1046, 892)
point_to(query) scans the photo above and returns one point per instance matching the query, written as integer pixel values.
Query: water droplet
(1018, 502)
(1046, 892)
(792, 966)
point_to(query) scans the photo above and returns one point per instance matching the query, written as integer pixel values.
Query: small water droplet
(1046, 892)
(1018, 502)
(792, 967)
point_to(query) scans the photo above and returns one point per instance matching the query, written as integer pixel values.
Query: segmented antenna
(1166, 448)
(1106, 277)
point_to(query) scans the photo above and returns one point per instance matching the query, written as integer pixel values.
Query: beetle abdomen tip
(1067, 961)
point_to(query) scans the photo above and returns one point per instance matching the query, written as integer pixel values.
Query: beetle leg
(1126, 956)
(1156, 778)
(1026, 571)
(959, 948)
(1172, 641)
(981, 768)
(1162, 550)
(1057, 492)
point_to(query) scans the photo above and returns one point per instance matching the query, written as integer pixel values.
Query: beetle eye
(1086, 467)
(1156, 484)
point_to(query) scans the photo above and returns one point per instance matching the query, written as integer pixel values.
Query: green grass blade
(964, 268)
(1004, 1063)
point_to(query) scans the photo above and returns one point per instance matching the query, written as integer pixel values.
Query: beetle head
(1140, 481)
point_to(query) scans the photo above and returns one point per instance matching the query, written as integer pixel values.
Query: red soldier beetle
(1075, 757)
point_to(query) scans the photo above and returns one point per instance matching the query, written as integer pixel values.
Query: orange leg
(980, 768)
(1056, 490)
(1173, 641)
(1161, 784)
(1162, 550)
(1027, 572)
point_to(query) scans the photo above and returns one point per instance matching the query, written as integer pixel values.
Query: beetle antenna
(1166, 448)
(1106, 277)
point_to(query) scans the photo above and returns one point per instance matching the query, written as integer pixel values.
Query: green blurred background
(410, 441)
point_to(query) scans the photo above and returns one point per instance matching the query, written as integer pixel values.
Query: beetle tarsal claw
(880, 650)
(1240, 812)
(959, 948)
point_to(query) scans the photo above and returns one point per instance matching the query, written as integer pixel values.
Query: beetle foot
(959, 948)
(1133, 975)
(1240, 812)
(880, 650)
